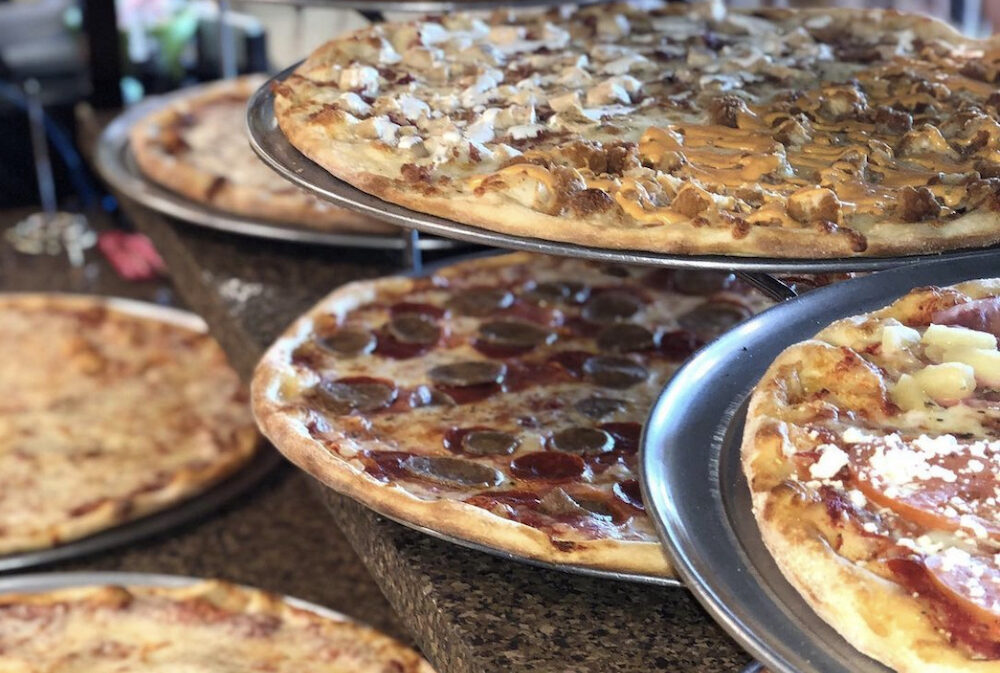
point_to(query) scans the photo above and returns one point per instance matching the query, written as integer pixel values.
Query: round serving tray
(693, 481)
(326, 494)
(264, 461)
(116, 164)
(41, 582)
(272, 146)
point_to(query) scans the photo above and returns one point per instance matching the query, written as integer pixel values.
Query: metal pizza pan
(117, 165)
(326, 493)
(421, 6)
(694, 486)
(263, 462)
(42, 582)
(273, 147)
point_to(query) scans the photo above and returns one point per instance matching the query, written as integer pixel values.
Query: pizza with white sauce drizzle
(873, 457)
(673, 128)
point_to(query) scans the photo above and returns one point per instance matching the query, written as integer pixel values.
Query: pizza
(112, 410)
(499, 400)
(670, 128)
(197, 146)
(206, 627)
(873, 457)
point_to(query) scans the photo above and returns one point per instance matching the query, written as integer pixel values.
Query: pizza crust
(275, 378)
(197, 184)
(178, 485)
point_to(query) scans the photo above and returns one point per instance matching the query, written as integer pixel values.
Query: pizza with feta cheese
(196, 145)
(112, 410)
(674, 128)
(499, 400)
(873, 457)
(206, 627)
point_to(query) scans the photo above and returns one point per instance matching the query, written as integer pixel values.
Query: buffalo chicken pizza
(672, 128)
(500, 400)
(111, 410)
(197, 146)
(873, 457)
(207, 627)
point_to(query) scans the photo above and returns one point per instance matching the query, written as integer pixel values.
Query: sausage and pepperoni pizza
(500, 400)
(207, 627)
(873, 457)
(668, 127)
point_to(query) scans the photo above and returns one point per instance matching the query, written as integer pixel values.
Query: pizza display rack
(325, 494)
(117, 166)
(693, 439)
(270, 143)
(41, 582)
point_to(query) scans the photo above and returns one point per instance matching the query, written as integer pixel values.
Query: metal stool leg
(412, 255)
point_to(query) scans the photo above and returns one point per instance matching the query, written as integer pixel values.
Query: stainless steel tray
(272, 146)
(694, 485)
(115, 163)
(326, 493)
(40, 582)
(197, 507)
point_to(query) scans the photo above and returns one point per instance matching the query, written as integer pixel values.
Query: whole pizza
(196, 145)
(873, 457)
(499, 400)
(207, 627)
(674, 128)
(111, 410)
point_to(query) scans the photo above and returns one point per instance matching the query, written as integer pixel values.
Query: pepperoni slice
(611, 307)
(626, 436)
(582, 441)
(940, 485)
(547, 466)
(597, 407)
(480, 441)
(558, 291)
(414, 328)
(626, 338)
(404, 307)
(965, 588)
(614, 372)
(701, 283)
(679, 345)
(469, 373)
(360, 393)
(480, 302)
(452, 471)
(712, 318)
(629, 493)
(571, 361)
(425, 396)
(348, 342)
(515, 334)
(559, 503)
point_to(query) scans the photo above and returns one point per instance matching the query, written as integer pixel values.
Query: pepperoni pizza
(668, 127)
(873, 457)
(500, 400)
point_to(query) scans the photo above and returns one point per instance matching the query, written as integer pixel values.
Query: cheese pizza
(873, 457)
(207, 627)
(197, 146)
(500, 400)
(111, 410)
(674, 128)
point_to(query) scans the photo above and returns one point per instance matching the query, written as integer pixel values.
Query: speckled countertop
(469, 612)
